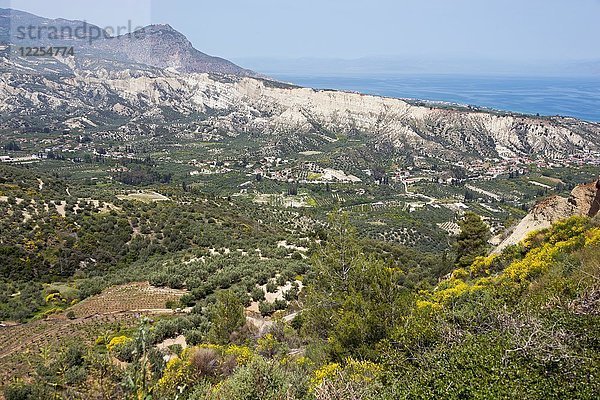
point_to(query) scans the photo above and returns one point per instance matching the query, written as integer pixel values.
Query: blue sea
(575, 97)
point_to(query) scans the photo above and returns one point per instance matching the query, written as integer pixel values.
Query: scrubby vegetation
(49, 234)
(204, 255)
(148, 286)
(524, 323)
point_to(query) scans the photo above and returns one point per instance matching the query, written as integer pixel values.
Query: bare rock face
(583, 201)
(586, 199)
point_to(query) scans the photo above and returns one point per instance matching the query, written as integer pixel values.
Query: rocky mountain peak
(159, 46)
(162, 46)
(159, 33)
(160, 29)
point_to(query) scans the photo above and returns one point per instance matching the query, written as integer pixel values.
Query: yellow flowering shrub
(303, 361)
(325, 372)
(543, 248)
(216, 347)
(540, 259)
(53, 297)
(177, 373)
(482, 265)
(569, 228)
(243, 354)
(592, 237)
(362, 371)
(430, 306)
(353, 371)
(459, 273)
(117, 341)
(457, 288)
(536, 261)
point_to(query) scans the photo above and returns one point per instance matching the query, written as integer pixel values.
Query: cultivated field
(116, 309)
(135, 297)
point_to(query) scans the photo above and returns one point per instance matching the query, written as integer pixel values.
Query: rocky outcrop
(583, 201)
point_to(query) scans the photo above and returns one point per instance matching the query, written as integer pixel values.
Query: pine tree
(227, 317)
(352, 301)
(472, 240)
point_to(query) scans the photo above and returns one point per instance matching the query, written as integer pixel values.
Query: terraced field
(117, 308)
(23, 343)
(134, 297)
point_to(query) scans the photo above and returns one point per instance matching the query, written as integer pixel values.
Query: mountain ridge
(156, 45)
(124, 86)
(234, 106)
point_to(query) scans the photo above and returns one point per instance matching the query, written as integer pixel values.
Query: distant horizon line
(329, 74)
(387, 64)
(419, 65)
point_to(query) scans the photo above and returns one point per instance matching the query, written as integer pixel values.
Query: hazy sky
(530, 31)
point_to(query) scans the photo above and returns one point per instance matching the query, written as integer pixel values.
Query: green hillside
(524, 324)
